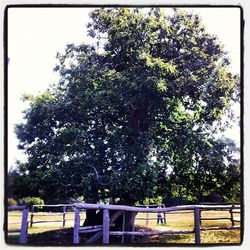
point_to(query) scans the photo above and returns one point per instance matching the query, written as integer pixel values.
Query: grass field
(186, 222)
(53, 233)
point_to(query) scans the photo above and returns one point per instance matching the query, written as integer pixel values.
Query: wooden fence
(161, 217)
(63, 213)
(234, 209)
(24, 223)
(105, 232)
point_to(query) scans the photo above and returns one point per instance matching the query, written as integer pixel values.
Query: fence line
(24, 223)
(235, 206)
(220, 203)
(159, 217)
(151, 210)
(63, 214)
(104, 229)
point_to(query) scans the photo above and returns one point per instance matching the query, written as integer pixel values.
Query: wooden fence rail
(105, 232)
(235, 208)
(24, 223)
(161, 217)
(63, 214)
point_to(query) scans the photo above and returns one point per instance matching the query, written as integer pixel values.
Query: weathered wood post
(197, 229)
(164, 218)
(164, 215)
(32, 215)
(133, 226)
(105, 237)
(123, 225)
(232, 215)
(147, 216)
(76, 226)
(24, 227)
(64, 216)
(200, 218)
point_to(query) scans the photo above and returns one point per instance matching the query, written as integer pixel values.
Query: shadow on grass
(64, 237)
(12, 239)
(163, 239)
(60, 237)
(51, 237)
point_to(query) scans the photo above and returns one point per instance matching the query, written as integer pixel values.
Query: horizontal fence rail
(161, 217)
(63, 213)
(234, 208)
(104, 229)
(150, 210)
(24, 223)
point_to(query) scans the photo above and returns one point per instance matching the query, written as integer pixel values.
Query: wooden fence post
(197, 229)
(164, 218)
(64, 216)
(200, 217)
(105, 238)
(123, 225)
(32, 215)
(133, 227)
(76, 226)
(164, 215)
(147, 216)
(231, 214)
(24, 227)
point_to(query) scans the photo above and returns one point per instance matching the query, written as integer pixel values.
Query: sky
(35, 35)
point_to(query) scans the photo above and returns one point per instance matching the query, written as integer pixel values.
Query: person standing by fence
(159, 218)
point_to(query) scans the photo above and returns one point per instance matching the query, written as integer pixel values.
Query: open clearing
(53, 233)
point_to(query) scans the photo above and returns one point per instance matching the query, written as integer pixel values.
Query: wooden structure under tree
(105, 231)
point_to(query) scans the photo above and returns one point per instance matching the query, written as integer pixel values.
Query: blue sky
(35, 35)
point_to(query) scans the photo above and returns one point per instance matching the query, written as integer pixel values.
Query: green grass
(186, 222)
(53, 233)
(38, 229)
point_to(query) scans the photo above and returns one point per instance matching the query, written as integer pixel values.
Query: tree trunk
(93, 217)
(129, 226)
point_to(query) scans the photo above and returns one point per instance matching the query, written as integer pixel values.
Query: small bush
(29, 201)
(155, 200)
(12, 202)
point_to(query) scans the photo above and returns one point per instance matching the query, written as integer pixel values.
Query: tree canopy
(134, 114)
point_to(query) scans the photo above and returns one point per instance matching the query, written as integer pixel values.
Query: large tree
(136, 110)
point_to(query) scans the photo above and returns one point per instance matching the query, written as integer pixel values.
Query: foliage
(12, 202)
(203, 169)
(134, 116)
(156, 200)
(30, 201)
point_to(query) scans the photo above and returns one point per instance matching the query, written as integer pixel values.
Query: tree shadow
(64, 237)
